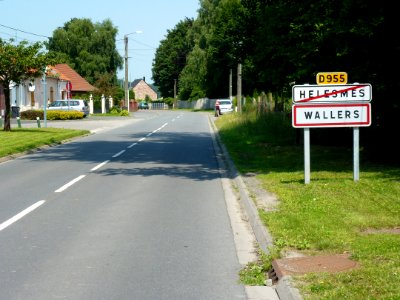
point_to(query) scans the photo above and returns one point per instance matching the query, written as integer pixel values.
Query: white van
(70, 104)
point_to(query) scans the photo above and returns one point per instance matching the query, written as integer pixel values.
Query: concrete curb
(286, 291)
(284, 288)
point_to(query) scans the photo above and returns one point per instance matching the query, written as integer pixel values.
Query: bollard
(38, 122)
(19, 122)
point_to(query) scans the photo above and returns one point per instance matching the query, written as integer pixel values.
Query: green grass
(19, 140)
(329, 215)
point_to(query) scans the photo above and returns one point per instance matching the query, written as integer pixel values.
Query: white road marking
(31, 208)
(119, 153)
(99, 166)
(130, 146)
(64, 187)
(21, 214)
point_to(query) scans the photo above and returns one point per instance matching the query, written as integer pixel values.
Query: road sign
(68, 86)
(308, 93)
(332, 78)
(331, 115)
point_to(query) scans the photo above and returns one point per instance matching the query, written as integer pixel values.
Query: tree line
(284, 42)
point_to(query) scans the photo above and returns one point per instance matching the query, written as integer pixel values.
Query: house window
(51, 94)
(32, 98)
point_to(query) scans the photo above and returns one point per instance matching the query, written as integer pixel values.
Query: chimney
(144, 79)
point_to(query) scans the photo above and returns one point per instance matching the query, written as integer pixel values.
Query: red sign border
(351, 124)
(314, 99)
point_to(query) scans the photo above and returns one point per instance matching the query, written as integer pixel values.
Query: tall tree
(19, 63)
(170, 57)
(88, 48)
(192, 80)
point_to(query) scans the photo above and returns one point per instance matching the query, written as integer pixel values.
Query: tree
(105, 87)
(19, 63)
(170, 57)
(88, 48)
(192, 84)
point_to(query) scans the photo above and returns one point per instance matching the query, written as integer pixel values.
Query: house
(142, 89)
(78, 83)
(31, 94)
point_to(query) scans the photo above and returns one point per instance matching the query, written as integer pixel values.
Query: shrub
(64, 115)
(52, 115)
(115, 110)
(32, 114)
(124, 113)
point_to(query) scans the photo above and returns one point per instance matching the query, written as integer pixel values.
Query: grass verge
(330, 215)
(20, 140)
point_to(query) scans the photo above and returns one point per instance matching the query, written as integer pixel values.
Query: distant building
(142, 89)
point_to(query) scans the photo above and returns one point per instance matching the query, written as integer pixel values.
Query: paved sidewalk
(91, 123)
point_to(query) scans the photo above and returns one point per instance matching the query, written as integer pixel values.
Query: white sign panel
(331, 115)
(332, 93)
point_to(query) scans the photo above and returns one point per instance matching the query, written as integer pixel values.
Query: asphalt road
(133, 212)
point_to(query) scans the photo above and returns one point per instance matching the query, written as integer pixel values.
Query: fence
(203, 103)
(158, 106)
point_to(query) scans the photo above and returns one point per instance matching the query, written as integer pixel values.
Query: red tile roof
(79, 84)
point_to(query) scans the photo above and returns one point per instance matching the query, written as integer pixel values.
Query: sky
(36, 20)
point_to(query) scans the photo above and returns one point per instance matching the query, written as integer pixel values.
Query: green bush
(170, 101)
(115, 110)
(64, 115)
(32, 114)
(124, 113)
(51, 115)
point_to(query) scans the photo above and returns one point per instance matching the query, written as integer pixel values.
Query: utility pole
(174, 88)
(239, 88)
(230, 84)
(175, 93)
(126, 73)
(126, 68)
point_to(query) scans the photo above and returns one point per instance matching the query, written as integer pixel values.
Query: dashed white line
(21, 214)
(99, 166)
(118, 154)
(64, 187)
(131, 145)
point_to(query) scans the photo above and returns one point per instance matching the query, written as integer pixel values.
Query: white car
(223, 106)
(70, 104)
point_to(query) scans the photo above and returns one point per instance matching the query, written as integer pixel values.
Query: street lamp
(44, 97)
(126, 67)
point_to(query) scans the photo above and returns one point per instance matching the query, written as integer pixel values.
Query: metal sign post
(307, 155)
(336, 105)
(356, 153)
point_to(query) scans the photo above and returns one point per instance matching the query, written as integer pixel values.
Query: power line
(141, 43)
(23, 31)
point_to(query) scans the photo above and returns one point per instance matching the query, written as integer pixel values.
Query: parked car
(143, 105)
(223, 106)
(70, 104)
